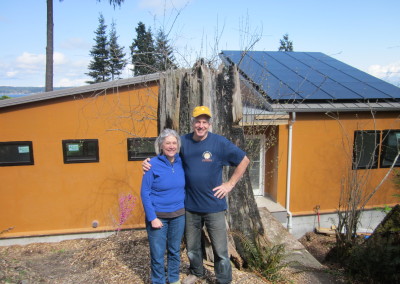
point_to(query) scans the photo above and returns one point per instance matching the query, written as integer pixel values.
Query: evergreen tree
(117, 60)
(286, 44)
(50, 41)
(143, 52)
(99, 65)
(164, 55)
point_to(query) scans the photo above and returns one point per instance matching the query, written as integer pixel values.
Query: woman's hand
(156, 223)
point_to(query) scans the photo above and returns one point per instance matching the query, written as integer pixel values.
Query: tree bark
(183, 89)
(49, 47)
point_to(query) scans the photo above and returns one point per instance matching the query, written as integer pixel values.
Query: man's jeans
(168, 237)
(216, 228)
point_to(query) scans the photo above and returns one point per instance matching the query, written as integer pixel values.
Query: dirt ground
(122, 258)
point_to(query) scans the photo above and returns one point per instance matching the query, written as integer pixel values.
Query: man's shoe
(176, 282)
(191, 279)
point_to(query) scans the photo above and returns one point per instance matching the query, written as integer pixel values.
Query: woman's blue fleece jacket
(163, 187)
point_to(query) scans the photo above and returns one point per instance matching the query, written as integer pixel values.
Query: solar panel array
(302, 76)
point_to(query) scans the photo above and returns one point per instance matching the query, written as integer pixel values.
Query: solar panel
(309, 76)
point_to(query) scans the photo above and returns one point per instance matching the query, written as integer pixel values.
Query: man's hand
(156, 224)
(222, 190)
(146, 165)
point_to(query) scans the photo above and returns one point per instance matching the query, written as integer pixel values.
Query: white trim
(261, 173)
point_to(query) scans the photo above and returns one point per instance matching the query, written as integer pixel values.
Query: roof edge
(79, 90)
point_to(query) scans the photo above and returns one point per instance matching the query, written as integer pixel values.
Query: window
(16, 153)
(390, 148)
(255, 149)
(366, 149)
(140, 148)
(80, 151)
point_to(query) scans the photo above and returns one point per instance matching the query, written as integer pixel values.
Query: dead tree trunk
(183, 89)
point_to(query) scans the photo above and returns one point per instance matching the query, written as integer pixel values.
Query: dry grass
(122, 258)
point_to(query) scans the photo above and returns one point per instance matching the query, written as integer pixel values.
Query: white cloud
(11, 74)
(390, 72)
(31, 61)
(67, 82)
(59, 58)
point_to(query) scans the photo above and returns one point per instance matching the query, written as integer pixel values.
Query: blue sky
(361, 33)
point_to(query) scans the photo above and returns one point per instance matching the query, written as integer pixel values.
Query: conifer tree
(117, 60)
(164, 55)
(286, 44)
(143, 52)
(50, 41)
(99, 65)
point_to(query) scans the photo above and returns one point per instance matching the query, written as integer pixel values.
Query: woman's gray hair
(164, 134)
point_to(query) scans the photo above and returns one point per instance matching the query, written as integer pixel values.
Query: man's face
(200, 125)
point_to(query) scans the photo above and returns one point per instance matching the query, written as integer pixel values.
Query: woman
(163, 195)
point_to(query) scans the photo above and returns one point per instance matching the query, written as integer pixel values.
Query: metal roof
(311, 81)
(79, 90)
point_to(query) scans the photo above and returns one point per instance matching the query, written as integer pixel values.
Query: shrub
(263, 258)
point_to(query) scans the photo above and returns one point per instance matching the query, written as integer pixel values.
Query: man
(204, 154)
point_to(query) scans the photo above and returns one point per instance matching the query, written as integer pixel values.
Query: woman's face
(170, 146)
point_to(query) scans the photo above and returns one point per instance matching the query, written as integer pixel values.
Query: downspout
(289, 172)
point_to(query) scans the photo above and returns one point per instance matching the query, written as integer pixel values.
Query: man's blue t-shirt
(203, 162)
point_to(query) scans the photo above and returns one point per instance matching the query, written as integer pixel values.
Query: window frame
(384, 147)
(261, 168)
(140, 156)
(19, 144)
(376, 152)
(83, 158)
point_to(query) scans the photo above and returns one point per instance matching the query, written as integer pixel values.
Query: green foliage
(99, 65)
(117, 60)
(164, 54)
(386, 209)
(378, 257)
(376, 261)
(4, 97)
(114, 2)
(286, 44)
(264, 259)
(143, 51)
(108, 57)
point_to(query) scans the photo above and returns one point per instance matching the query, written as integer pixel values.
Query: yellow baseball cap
(200, 110)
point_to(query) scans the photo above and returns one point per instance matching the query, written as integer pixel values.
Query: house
(318, 125)
(69, 157)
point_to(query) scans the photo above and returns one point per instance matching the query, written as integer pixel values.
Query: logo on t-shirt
(207, 156)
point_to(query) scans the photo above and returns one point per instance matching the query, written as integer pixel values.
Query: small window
(140, 148)
(81, 151)
(255, 149)
(366, 149)
(390, 148)
(16, 153)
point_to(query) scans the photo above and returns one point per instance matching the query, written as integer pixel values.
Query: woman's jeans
(168, 238)
(216, 228)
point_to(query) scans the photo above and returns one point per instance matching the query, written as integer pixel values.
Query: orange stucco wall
(51, 197)
(322, 153)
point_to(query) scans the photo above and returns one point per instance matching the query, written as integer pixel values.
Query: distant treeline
(7, 90)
